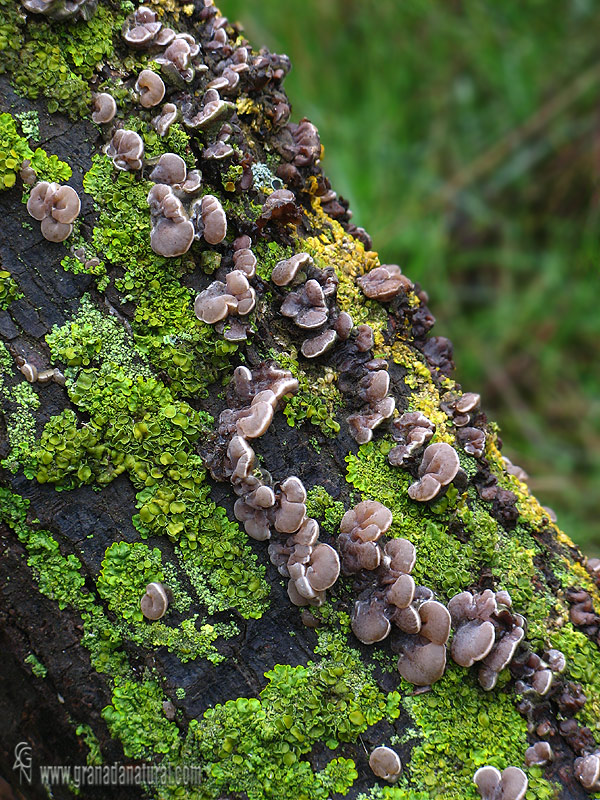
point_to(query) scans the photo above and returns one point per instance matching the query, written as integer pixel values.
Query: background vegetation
(465, 135)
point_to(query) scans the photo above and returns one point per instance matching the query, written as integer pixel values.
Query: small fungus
(422, 662)
(307, 143)
(155, 601)
(213, 220)
(318, 345)
(587, 771)
(104, 108)
(511, 784)
(412, 430)
(150, 88)
(170, 169)
(386, 764)
(245, 260)
(168, 115)
(126, 149)
(307, 306)
(472, 440)
(369, 622)
(384, 283)
(176, 60)
(56, 207)
(292, 508)
(213, 112)
(142, 28)
(438, 468)
(538, 754)
(285, 271)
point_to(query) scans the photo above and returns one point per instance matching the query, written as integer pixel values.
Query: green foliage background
(464, 135)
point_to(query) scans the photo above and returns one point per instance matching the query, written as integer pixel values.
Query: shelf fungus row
(56, 207)
(486, 632)
(423, 623)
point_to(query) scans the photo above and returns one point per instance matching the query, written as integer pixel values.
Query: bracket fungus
(172, 232)
(292, 508)
(307, 143)
(235, 296)
(587, 771)
(384, 283)
(56, 207)
(62, 9)
(438, 468)
(486, 631)
(386, 764)
(511, 784)
(210, 219)
(126, 149)
(104, 108)
(170, 169)
(373, 389)
(155, 601)
(411, 430)
(244, 259)
(285, 271)
(150, 88)
(142, 30)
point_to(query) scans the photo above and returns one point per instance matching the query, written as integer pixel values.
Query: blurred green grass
(465, 135)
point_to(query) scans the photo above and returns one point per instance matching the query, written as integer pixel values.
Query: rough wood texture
(75, 651)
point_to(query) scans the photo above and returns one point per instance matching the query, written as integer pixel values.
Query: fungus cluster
(56, 207)
(412, 431)
(539, 754)
(143, 30)
(219, 300)
(211, 115)
(177, 61)
(462, 410)
(172, 232)
(62, 9)
(312, 305)
(486, 632)
(378, 406)
(438, 469)
(126, 149)
(510, 784)
(311, 566)
(423, 623)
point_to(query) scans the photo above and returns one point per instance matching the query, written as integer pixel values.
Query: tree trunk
(119, 469)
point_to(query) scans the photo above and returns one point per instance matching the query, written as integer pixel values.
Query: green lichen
(57, 61)
(20, 402)
(38, 669)
(9, 290)
(267, 255)
(94, 756)
(460, 728)
(30, 124)
(126, 571)
(14, 149)
(254, 745)
(317, 397)
(321, 506)
(91, 338)
(136, 717)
